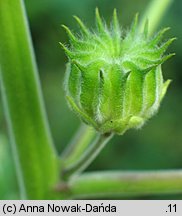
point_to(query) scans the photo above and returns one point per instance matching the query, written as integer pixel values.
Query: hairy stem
(88, 156)
(78, 144)
(126, 184)
(34, 155)
(154, 13)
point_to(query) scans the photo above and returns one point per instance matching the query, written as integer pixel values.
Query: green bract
(114, 79)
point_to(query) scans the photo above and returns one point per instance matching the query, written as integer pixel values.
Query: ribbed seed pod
(114, 80)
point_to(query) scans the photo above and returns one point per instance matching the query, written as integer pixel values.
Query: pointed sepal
(83, 28)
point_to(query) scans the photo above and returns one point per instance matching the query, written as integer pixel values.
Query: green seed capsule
(114, 80)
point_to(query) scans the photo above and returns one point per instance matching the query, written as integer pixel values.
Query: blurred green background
(157, 146)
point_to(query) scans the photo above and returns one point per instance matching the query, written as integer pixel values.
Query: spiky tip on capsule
(114, 80)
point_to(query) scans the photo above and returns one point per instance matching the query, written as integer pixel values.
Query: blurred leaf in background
(8, 184)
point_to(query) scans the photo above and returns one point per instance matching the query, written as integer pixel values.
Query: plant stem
(34, 154)
(126, 184)
(78, 144)
(88, 156)
(154, 14)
